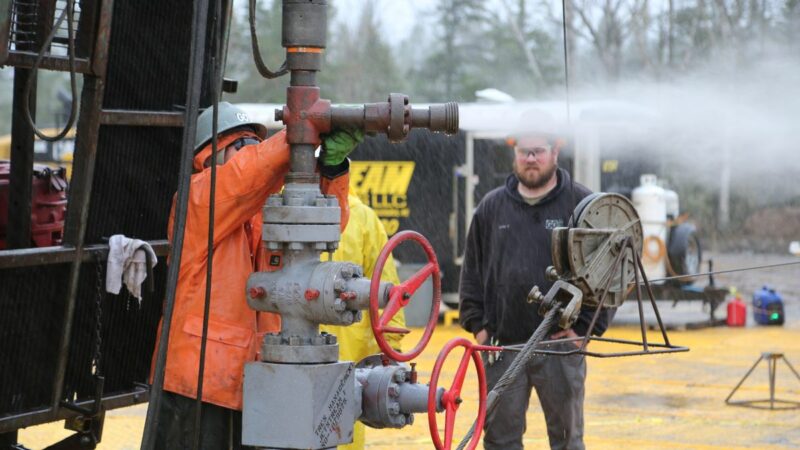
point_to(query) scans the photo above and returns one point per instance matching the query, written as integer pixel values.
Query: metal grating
(25, 15)
(127, 335)
(135, 180)
(32, 300)
(24, 19)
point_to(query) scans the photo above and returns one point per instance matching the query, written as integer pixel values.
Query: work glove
(338, 144)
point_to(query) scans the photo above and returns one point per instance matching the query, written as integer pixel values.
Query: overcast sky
(397, 16)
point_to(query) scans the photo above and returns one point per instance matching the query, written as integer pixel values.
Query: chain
(98, 316)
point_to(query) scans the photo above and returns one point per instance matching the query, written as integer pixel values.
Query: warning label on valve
(383, 185)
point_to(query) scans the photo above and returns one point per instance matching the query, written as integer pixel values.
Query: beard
(535, 176)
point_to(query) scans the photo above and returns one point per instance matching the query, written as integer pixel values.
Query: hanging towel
(127, 263)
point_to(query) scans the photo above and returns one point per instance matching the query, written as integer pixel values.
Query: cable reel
(584, 254)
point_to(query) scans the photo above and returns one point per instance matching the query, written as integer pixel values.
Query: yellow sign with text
(383, 185)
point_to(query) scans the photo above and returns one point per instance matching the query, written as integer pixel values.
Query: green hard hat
(228, 118)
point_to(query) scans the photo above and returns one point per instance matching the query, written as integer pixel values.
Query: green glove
(337, 145)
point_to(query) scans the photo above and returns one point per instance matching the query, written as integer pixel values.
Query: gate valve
(451, 399)
(400, 296)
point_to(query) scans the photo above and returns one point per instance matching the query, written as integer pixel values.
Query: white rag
(127, 262)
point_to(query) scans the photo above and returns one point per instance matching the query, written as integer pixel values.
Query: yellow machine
(53, 154)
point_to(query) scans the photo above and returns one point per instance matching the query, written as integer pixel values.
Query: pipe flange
(300, 353)
(399, 117)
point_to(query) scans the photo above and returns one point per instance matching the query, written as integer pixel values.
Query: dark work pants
(559, 383)
(221, 427)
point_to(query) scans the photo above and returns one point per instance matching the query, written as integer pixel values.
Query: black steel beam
(26, 60)
(141, 118)
(81, 189)
(194, 87)
(58, 255)
(103, 36)
(5, 28)
(86, 29)
(21, 176)
(78, 212)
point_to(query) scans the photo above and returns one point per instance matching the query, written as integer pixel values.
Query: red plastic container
(48, 208)
(737, 313)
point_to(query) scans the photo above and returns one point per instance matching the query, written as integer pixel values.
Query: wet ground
(671, 401)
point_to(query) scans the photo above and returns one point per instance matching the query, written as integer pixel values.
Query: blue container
(768, 307)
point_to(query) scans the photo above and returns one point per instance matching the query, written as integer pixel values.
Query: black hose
(73, 113)
(262, 68)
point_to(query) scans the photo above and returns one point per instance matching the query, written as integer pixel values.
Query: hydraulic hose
(73, 113)
(260, 65)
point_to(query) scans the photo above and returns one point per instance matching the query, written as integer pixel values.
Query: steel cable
(718, 272)
(566, 57)
(514, 369)
(215, 93)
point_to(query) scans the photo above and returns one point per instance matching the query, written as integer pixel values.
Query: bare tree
(604, 29)
(517, 24)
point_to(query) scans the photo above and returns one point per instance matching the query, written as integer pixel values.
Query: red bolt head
(348, 295)
(257, 292)
(312, 294)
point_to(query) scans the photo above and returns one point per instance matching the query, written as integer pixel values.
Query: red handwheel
(400, 296)
(451, 398)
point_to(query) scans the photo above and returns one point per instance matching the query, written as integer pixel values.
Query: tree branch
(533, 64)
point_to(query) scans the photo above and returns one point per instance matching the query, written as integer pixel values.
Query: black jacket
(507, 252)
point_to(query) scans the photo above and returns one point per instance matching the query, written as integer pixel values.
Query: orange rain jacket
(234, 330)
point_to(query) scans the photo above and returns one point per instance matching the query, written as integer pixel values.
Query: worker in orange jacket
(250, 169)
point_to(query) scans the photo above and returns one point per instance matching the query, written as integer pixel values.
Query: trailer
(432, 183)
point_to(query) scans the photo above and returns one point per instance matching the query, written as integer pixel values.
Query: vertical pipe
(302, 155)
(469, 185)
(772, 365)
(302, 159)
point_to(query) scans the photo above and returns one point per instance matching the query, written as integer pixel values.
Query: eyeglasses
(536, 152)
(239, 143)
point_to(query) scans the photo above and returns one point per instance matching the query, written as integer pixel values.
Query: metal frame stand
(626, 246)
(772, 365)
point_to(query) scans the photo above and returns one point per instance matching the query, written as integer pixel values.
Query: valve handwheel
(451, 398)
(400, 296)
